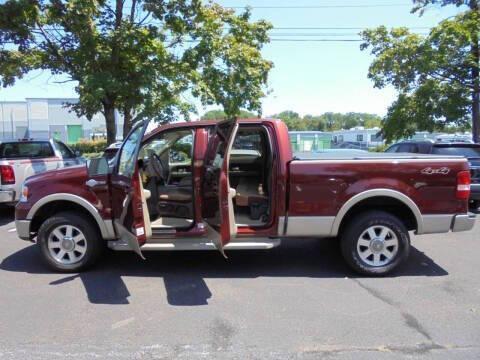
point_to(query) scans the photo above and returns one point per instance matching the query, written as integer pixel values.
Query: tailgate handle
(93, 183)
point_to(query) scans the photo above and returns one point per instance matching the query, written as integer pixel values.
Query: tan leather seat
(168, 193)
(247, 192)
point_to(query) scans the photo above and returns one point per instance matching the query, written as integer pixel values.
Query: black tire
(94, 242)
(357, 226)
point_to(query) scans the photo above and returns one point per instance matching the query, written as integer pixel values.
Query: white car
(20, 159)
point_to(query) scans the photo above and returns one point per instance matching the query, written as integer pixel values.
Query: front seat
(181, 192)
(174, 193)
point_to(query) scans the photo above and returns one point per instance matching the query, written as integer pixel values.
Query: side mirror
(77, 153)
(97, 166)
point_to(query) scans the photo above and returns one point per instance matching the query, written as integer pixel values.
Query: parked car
(227, 198)
(112, 150)
(469, 150)
(20, 159)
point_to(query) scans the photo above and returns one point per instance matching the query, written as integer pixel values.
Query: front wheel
(375, 243)
(69, 243)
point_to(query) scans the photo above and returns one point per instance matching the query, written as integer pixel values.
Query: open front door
(130, 216)
(218, 195)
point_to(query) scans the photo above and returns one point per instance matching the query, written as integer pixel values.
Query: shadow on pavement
(183, 273)
(7, 214)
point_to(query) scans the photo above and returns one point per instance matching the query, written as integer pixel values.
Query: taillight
(7, 174)
(463, 185)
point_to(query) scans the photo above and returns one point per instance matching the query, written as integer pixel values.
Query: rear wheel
(375, 243)
(69, 243)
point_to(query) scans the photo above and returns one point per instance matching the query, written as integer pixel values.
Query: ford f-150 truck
(237, 185)
(22, 158)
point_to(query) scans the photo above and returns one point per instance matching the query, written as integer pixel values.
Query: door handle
(93, 183)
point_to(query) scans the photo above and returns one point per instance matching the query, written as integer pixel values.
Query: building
(310, 140)
(359, 137)
(48, 117)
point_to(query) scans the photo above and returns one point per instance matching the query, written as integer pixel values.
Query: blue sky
(308, 77)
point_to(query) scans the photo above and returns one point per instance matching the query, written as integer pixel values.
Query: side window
(408, 148)
(64, 150)
(127, 160)
(360, 137)
(178, 145)
(182, 149)
(248, 141)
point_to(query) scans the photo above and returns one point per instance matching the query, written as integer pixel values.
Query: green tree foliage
(221, 115)
(328, 121)
(140, 57)
(436, 75)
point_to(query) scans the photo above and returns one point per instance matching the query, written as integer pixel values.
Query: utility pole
(3, 123)
(475, 51)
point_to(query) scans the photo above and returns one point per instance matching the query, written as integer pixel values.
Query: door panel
(127, 193)
(218, 195)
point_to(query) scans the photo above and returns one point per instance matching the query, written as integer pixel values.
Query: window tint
(407, 148)
(458, 151)
(392, 149)
(248, 141)
(35, 149)
(126, 165)
(64, 150)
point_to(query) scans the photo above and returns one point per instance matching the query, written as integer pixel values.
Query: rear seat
(248, 190)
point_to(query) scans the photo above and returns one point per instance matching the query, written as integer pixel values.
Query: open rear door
(217, 194)
(130, 217)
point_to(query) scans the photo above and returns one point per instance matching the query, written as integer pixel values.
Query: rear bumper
(474, 191)
(442, 223)
(463, 222)
(7, 196)
(23, 229)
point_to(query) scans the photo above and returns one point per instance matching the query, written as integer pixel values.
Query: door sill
(186, 244)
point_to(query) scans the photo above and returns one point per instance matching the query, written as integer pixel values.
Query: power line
(345, 28)
(315, 40)
(324, 34)
(341, 6)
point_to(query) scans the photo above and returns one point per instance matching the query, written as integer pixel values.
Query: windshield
(17, 150)
(470, 152)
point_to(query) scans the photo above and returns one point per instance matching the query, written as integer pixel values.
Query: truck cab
(236, 185)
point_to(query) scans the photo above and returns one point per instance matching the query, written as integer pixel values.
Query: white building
(363, 138)
(48, 117)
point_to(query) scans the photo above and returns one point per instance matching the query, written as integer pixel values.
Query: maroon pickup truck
(236, 185)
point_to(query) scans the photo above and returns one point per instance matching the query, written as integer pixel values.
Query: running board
(181, 244)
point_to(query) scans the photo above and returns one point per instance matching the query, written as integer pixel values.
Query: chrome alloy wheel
(67, 244)
(377, 245)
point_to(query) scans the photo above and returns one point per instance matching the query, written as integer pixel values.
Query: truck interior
(166, 164)
(250, 175)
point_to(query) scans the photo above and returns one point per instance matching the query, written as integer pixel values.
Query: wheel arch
(61, 202)
(391, 201)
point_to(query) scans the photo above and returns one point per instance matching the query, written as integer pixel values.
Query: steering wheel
(157, 167)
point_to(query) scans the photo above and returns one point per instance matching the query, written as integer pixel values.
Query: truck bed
(364, 155)
(320, 183)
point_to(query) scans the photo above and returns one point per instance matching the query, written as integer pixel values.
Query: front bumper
(7, 196)
(23, 229)
(463, 222)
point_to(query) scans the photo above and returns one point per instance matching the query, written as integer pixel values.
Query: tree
(328, 121)
(436, 75)
(221, 115)
(138, 57)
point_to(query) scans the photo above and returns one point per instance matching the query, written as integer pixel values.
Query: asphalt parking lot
(296, 301)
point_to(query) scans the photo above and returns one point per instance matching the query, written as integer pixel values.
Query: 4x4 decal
(431, 171)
